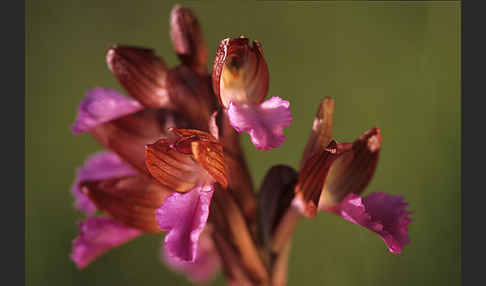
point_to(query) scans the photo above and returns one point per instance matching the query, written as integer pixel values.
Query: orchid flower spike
(174, 164)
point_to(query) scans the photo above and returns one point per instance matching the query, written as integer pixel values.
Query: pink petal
(99, 166)
(264, 122)
(204, 267)
(382, 213)
(184, 215)
(98, 235)
(102, 105)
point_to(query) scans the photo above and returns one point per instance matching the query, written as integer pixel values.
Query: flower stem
(284, 230)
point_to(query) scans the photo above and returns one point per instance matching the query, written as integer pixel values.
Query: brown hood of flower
(177, 163)
(240, 73)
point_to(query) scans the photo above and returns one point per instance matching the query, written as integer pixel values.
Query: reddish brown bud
(188, 40)
(141, 73)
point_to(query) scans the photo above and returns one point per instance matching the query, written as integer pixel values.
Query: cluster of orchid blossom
(175, 164)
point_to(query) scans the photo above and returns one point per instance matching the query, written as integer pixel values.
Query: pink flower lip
(264, 122)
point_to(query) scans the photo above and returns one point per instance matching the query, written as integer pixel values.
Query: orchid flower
(333, 174)
(240, 80)
(174, 164)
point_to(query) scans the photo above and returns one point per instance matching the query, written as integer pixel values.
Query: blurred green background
(395, 65)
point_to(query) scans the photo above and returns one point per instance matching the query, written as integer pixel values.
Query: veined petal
(204, 267)
(130, 200)
(264, 122)
(98, 235)
(184, 216)
(187, 39)
(209, 155)
(141, 73)
(382, 213)
(173, 169)
(102, 105)
(240, 73)
(99, 166)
